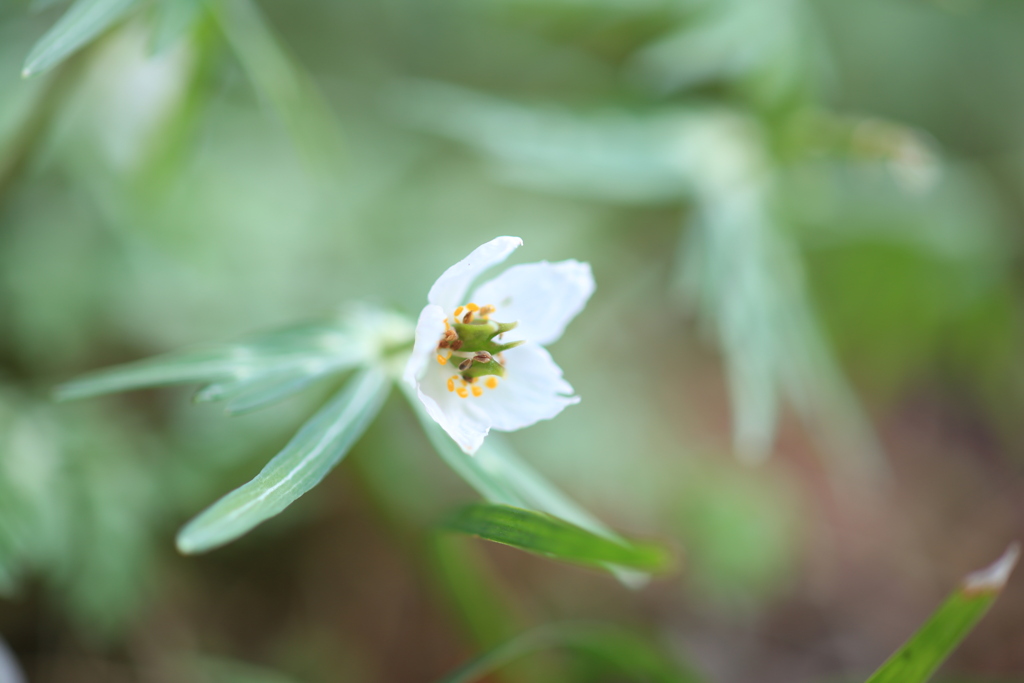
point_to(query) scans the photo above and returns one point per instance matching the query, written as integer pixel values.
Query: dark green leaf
(546, 535)
(631, 655)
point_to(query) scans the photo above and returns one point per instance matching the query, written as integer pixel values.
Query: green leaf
(84, 21)
(173, 20)
(259, 369)
(281, 81)
(920, 656)
(321, 443)
(631, 655)
(206, 669)
(244, 395)
(546, 535)
(501, 476)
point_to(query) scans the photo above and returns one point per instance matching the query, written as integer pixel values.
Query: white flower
(474, 374)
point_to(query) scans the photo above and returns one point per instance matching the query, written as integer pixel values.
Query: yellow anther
(461, 391)
(464, 382)
(451, 384)
(477, 391)
(472, 307)
(487, 310)
(459, 310)
(441, 359)
(446, 325)
(491, 382)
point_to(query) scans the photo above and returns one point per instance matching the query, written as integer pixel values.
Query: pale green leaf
(244, 395)
(174, 19)
(920, 656)
(281, 81)
(261, 368)
(84, 21)
(321, 443)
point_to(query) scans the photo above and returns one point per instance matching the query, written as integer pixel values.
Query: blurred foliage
(803, 217)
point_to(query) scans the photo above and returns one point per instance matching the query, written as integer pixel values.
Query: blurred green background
(802, 366)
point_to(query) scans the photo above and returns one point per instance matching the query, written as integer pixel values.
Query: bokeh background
(802, 366)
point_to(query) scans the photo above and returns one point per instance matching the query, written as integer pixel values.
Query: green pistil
(480, 335)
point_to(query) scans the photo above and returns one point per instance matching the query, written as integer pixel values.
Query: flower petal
(543, 297)
(460, 417)
(533, 390)
(450, 289)
(429, 329)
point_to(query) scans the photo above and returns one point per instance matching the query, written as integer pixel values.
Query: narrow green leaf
(501, 476)
(626, 652)
(920, 656)
(321, 443)
(244, 395)
(546, 535)
(84, 21)
(281, 81)
(248, 369)
(174, 19)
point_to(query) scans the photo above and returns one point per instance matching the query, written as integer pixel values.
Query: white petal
(543, 297)
(460, 417)
(532, 390)
(450, 289)
(429, 329)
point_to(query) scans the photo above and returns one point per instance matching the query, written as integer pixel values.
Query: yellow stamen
(487, 310)
(459, 310)
(451, 384)
(464, 382)
(461, 391)
(473, 307)
(441, 359)
(491, 382)
(477, 391)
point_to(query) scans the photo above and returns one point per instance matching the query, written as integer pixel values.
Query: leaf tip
(992, 578)
(185, 542)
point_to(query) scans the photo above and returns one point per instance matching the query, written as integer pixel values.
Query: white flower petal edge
(451, 287)
(429, 329)
(523, 384)
(544, 297)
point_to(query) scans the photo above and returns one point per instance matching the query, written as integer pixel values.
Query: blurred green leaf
(631, 655)
(205, 669)
(546, 535)
(472, 591)
(84, 21)
(260, 369)
(920, 656)
(309, 456)
(174, 19)
(283, 83)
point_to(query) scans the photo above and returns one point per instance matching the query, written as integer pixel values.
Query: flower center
(472, 342)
